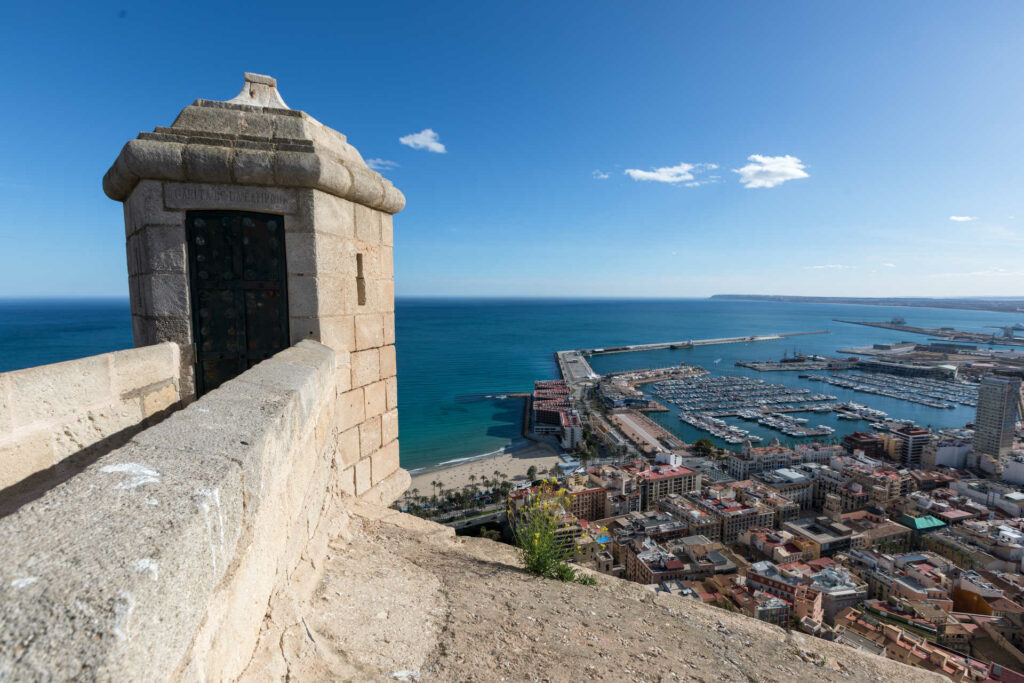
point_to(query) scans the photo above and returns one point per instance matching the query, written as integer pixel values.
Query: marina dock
(794, 366)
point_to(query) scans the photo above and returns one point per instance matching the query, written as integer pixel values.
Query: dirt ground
(399, 598)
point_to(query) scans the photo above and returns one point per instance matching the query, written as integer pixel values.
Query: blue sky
(877, 122)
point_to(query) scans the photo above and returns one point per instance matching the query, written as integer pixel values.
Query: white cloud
(829, 266)
(766, 171)
(963, 219)
(889, 265)
(681, 173)
(600, 175)
(991, 271)
(666, 174)
(426, 139)
(381, 164)
(710, 180)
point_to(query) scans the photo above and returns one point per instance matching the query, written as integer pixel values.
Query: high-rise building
(911, 441)
(996, 417)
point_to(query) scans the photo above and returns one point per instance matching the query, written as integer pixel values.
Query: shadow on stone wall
(36, 485)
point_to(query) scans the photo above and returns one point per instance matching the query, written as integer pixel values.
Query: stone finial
(260, 91)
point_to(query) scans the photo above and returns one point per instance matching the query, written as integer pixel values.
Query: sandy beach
(514, 464)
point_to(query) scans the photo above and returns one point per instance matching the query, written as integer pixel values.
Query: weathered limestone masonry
(160, 559)
(55, 416)
(254, 154)
(260, 245)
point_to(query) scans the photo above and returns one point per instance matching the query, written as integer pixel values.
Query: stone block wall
(55, 416)
(353, 312)
(159, 560)
(340, 293)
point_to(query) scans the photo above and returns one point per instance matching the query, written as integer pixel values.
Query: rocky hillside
(400, 598)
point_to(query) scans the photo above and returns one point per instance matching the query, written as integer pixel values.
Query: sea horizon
(455, 352)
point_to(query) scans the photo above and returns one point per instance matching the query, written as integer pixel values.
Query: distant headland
(997, 304)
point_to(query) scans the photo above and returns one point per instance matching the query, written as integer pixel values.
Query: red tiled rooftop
(1005, 605)
(664, 471)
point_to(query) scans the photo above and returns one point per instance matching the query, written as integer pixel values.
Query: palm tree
(472, 480)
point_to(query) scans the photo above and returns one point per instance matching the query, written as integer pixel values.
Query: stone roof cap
(259, 91)
(252, 139)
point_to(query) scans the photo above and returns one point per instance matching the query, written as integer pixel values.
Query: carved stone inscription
(197, 196)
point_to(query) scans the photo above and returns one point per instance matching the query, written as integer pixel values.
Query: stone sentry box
(254, 154)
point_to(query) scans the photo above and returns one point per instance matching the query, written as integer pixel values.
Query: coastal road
(498, 515)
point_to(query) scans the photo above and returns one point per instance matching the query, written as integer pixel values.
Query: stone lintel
(185, 196)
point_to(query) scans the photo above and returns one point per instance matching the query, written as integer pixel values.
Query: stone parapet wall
(57, 416)
(159, 560)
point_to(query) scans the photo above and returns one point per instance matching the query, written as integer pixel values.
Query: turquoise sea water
(451, 353)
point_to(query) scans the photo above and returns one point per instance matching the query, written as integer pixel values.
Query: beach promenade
(514, 464)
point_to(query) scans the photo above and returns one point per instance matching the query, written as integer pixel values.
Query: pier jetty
(688, 343)
(575, 369)
(944, 334)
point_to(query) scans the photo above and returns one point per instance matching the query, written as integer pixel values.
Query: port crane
(1009, 331)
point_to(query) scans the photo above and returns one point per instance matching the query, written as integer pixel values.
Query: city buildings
(757, 493)
(776, 545)
(900, 645)
(774, 456)
(996, 417)
(687, 558)
(698, 521)
(835, 587)
(873, 543)
(871, 529)
(910, 444)
(793, 483)
(587, 500)
(870, 444)
(657, 481)
(553, 413)
(826, 536)
(734, 516)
